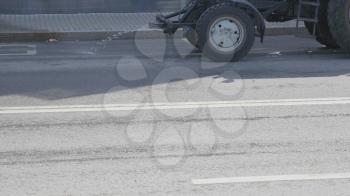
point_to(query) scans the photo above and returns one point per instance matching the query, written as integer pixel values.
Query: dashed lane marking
(252, 179)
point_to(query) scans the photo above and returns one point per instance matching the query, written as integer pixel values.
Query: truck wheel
(339, 22)
(225, 33)
(323, 34)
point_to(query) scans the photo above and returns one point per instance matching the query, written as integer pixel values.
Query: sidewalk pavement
(92, 26)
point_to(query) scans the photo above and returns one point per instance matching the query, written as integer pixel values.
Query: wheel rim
(226, 34)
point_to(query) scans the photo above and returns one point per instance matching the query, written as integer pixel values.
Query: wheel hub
(226, 34)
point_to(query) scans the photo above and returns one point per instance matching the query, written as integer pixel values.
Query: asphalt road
(145, 118)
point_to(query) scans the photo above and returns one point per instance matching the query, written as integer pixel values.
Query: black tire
(190, 33)
(240, 17)
(323, 34)
(327, 38)
(339, 22)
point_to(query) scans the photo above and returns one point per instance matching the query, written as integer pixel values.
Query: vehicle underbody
(271, 10)
(239, 16)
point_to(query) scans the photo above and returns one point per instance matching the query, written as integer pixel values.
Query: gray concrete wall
(86, 6)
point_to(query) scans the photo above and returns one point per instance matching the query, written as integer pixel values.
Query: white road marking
(175, 105)
(251, 179)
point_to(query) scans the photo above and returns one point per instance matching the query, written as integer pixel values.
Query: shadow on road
(83, 80)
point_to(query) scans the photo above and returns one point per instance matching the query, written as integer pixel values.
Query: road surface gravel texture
(142, 117)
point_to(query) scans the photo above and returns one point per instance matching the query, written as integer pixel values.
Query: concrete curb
(116, 35)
